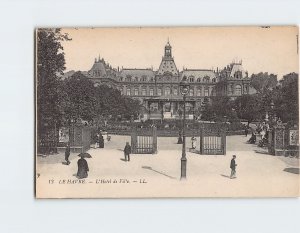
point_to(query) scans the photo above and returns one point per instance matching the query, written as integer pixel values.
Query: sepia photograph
(166, 112)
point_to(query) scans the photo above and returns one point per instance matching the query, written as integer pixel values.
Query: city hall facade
(159, 90)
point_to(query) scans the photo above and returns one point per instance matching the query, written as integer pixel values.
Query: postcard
(167, 112)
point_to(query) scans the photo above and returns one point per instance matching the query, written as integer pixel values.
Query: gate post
(134, 139)
(201, 139)
(154, 140)
(224, 141)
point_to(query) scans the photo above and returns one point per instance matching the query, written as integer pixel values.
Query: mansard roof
(198, 73)
(237, 67)
(167, 65)
(98, 69)
(137, 73)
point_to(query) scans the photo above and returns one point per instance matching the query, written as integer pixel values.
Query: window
(198, 92)
(167, 91)
(143, 91)
(238, 90)
(128, 78)
(206, 92)
(175, 91)
(128, 91)
(191, 79)
(206, 79)
(191, 92)
(121, 79)
(214, 80)
(246, 89)
(151, 79)
(198, 80)
(136, 91)
(158, 91)
(136, 79)
(151, 92)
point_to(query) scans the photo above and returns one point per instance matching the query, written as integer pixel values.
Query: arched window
(198, 92)
(167, 91)
(238, 90)
(151, 92)
(144, 91)
(128, 78)
(191, 79)
(206, 92)
(206, 79)
(191, 92)
(158, 91)
(213, 80)
(136, 91)
(175, 91)
(246, 89)
(198, 80)
(128, 91)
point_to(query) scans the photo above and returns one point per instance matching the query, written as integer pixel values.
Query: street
(258, 174)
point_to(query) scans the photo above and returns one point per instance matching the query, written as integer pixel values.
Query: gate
(212, 139)
(144, 141)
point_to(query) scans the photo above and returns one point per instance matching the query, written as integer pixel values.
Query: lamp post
(184, 89)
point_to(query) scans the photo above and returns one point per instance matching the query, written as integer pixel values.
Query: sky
(261, 49)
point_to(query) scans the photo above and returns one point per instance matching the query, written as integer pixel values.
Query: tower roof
(98, 68)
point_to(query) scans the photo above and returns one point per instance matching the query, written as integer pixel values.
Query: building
(159, 90)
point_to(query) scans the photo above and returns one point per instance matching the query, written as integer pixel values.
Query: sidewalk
(207, 175)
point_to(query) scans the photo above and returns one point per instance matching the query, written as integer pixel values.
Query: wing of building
(159, 90)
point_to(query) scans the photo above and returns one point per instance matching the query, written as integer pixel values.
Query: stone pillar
(279, 138)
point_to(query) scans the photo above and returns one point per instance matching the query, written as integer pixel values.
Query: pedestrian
(67, 154)
(193, 139)
(233, 166)
(127, 151)
(101, 141)
(246, 131)
(96, 140)
(83, 168)
(179, 141)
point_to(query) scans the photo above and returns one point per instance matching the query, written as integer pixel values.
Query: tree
(263, 82)
(206, 110)
(248, 107)
(286, 98)
(79, 98)
(50, 63)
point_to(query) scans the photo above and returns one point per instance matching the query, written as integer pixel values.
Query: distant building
(159, 90)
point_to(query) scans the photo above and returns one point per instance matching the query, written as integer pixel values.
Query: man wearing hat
(233, 166)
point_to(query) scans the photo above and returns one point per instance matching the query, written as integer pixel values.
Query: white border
(20, 212)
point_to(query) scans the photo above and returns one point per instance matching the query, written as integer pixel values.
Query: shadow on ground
(151, 169)
(294, 170)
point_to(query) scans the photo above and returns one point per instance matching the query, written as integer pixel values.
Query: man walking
(127, 151)
(67, 154)
(233, 166)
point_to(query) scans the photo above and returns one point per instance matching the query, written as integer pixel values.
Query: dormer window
(206, 79)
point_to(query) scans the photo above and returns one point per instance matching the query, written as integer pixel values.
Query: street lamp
(184, 89)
